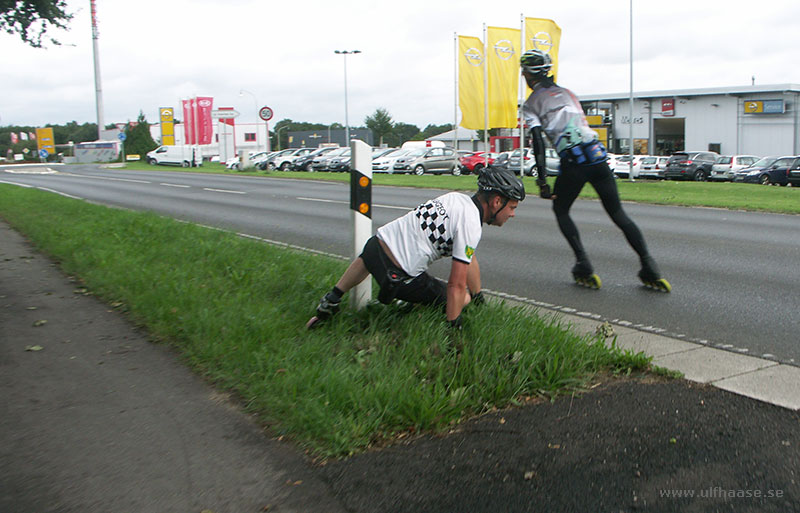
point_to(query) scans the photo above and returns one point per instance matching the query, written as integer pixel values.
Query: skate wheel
(592, 282)
(313, 322)
(660, 285)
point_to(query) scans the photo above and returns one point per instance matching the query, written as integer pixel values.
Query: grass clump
(236, 308)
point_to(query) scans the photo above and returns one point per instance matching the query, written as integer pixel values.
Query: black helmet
(502, 181)
(536, 62)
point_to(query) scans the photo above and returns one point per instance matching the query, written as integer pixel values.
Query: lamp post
(344, 54)
(255, 101)
(278, 135)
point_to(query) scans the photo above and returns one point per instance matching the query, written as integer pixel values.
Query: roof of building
(732, 91)
(462, 134)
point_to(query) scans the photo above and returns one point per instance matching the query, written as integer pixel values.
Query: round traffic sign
(122, 136)
(265, 113)
(44, 153)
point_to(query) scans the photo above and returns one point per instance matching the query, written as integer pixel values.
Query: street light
(278, 135)
(255, 100)
(344, 54)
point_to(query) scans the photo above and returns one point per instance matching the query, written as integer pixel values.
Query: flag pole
(485, 90)
(521, 96)
(455, 91)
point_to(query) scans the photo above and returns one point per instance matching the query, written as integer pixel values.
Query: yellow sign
(167, 115)
(45, 141)
(602, 134)
(594, 120)
(754, 107)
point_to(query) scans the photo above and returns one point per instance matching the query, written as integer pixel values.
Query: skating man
(556, 111)
(450, 225)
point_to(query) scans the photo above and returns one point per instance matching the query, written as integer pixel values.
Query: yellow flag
(503, 60)
(470, 82)
(545, 35)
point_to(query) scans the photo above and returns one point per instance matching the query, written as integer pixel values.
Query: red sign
(188, 122)
(205, 127)
(668, 107)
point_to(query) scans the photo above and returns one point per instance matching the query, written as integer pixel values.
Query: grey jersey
(557, 110)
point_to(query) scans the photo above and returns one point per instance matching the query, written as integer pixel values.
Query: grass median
(734, 196)
(235, 309)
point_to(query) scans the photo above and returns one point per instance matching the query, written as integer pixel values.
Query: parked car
(340, 163)
(776, 173)
(474, 162)
(552, 161)
(234, 163)
(622, 166)
(726, 166)
(320, 162)
(794, 173)
(428, 160)
(385, 163)
(651, 166)
(690, 165)
(380, 152)
(305, 162)
(284, 159)
(760, 165)
(184, 156)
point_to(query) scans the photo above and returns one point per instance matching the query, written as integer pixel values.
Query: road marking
(32, 171)
(107, 178)
(175, 185)
(406, 209)
(223, 190)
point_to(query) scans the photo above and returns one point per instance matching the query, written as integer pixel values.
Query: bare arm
(474, 276)
(457, 295)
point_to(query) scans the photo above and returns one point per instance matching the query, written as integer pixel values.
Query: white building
(757, 120)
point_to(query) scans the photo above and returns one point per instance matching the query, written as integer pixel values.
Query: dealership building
(752, 120)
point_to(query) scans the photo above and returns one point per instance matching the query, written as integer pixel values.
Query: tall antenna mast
(98, 89)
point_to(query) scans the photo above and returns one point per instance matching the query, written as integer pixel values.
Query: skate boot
(584, 275)
(327, 307)
(651, 277)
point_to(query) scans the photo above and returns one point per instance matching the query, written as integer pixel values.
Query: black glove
(478, 299)
(544, 190)
(455, 324)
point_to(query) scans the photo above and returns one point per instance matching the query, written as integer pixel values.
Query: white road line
(107, 178)
(347, 203)
(18, 184)
(175, 185)
(223, 190)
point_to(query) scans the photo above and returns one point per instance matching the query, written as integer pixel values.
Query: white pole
(630, 132)
(455, 91)
(521, 87)
(361, 162)
(485, 90)
(98, 89)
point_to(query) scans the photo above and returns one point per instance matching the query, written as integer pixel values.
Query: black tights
(569, 184)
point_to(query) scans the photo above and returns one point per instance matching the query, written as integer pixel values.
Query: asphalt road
(733, 276)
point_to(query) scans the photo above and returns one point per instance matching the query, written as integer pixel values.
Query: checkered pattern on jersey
(432, 220)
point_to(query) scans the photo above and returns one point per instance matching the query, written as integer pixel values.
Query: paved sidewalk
(95, 418)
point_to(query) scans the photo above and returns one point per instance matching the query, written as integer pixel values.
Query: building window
(250, 137)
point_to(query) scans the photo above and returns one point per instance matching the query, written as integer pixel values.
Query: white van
(184, 156)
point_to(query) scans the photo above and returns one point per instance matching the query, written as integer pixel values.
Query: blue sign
(773, 107)
(43, 153)
(122, 136)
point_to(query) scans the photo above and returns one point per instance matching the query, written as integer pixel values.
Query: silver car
(428, 160)
(727, 166)
(552, 162)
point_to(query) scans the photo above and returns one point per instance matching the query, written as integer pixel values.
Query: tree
(380, 123)
(401, 132)
(31, 19)
(138, 140)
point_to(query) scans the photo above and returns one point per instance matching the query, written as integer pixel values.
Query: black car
(777, 172)
(690, 165)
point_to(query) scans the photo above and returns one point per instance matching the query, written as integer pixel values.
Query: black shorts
(396, 284)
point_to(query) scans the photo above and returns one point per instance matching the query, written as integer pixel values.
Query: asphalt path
(733, 275)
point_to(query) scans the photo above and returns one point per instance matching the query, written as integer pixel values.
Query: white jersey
(449, 225)
(558, 111)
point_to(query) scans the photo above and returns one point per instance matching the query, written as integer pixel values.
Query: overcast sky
(153, 53)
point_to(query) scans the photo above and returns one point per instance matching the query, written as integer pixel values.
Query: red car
(474, 162)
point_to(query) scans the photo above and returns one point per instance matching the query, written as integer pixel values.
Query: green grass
(235, 309)
(736, 196)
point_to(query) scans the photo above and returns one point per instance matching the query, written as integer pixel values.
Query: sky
(281, 54)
